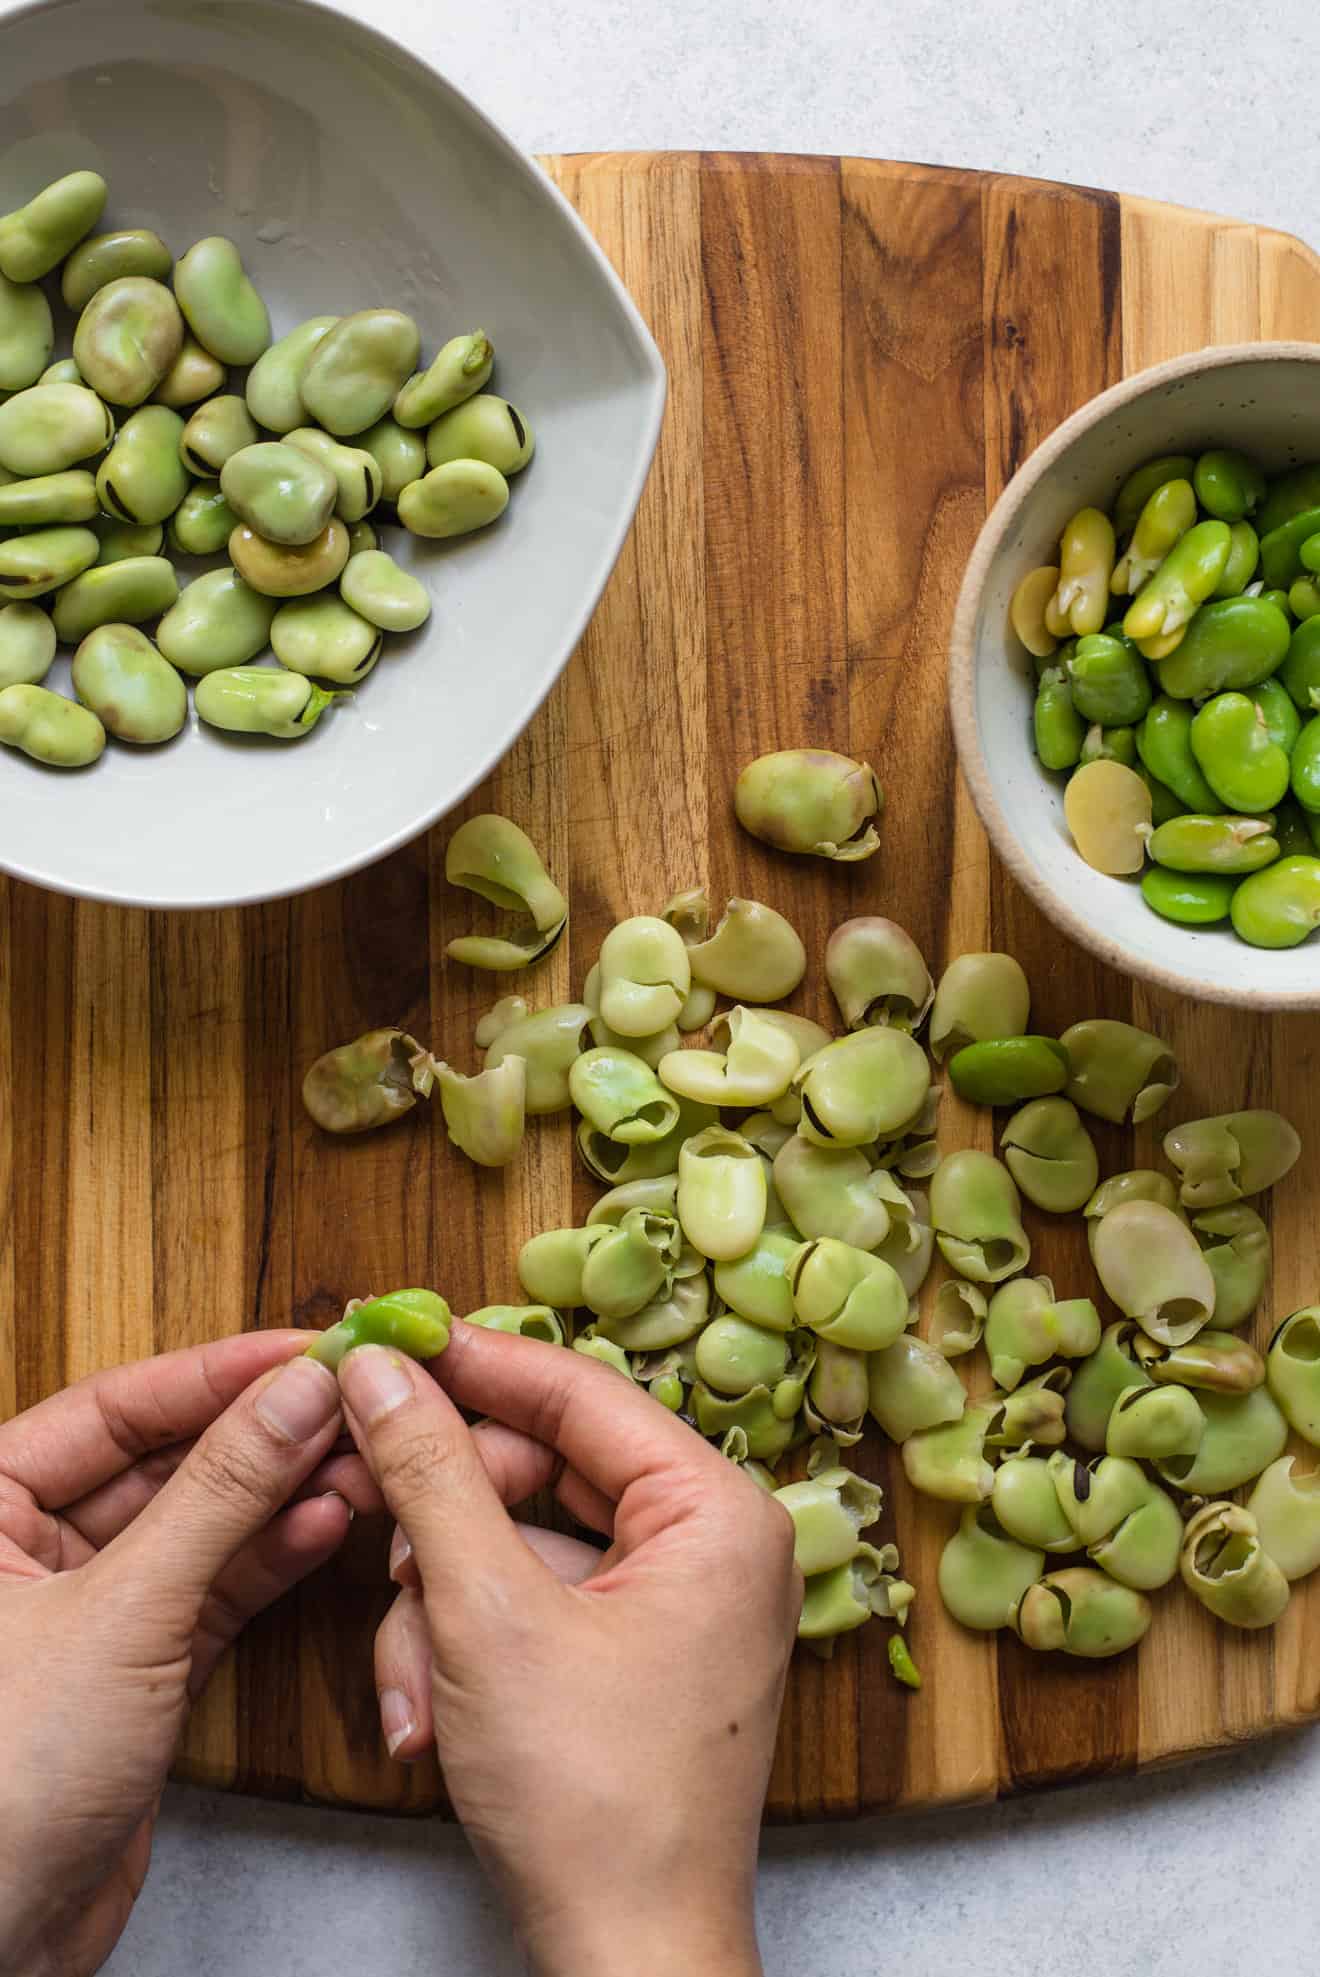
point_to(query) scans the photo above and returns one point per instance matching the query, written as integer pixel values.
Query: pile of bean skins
(1177, 650)
(132, 452)
(775, 1199)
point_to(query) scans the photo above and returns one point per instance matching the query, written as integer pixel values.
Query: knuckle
(415, 1464)
(230, 1472)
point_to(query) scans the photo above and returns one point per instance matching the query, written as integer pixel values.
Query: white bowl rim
(962, 674)
(653, 364)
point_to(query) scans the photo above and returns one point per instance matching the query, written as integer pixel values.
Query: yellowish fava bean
(279, 569)
(1027, 611)
(1108, 808)
(1086, 562)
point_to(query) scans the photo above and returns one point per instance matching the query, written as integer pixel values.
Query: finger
(349, 1477)
(475, 1569)
(569, 1559)
(403, 1678)
(77, 1440)
(299, 1541)
(242, 1472)
(519, 1467)
(610, 1431)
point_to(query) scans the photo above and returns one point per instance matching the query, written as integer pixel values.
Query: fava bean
(413, 1322)
(1164, 743)
(811, 800)
(280, 569)
(27, 645)
(1086, 563)
(1243, 556)
(1185, 579)
(36, 237)
(1281, 905)
(261, 700)
(356, 472)
(128, 338)
(1188, 899)
(27, 334)
(1108, 680)
(223, 309)
(274, 394)
(1233, 644)
(454, 499)
(32, 565)
(130, 592)
(1008, 1070)
(356, 371)
(1118, 1072)
(133, 692)
(400, 455)
(1027, 611)
(142, 478)
(203, 522)
(50, 427)
(216, 431)
(218, 622)
(1165, 519)
(1058, 727)
(67, 497)
(1143, 482)
(324, 639)
(1245, 768)
(282, 493)
(1051, 1156)
(1111, 745)
(107, 257)
(1280, 550)
(1214, 844)
(1305, 767)
(49, 728)
(1228, 485)
(121, 539)
(485, 428)
(1108, 811)
(193, 375)
(379, 591)
(460, 367)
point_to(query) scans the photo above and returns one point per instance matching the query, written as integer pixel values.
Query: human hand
(130, 1557)
(606, 1743)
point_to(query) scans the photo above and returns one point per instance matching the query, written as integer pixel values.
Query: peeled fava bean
(976, 1215)
(912, 1386)
(460, 368)
(356, 371)
(1086, 562)
(223, 309)
(1007, 1070)
(49, 728)
(35, 238)
(218, 621)
(49, 498)
(27, 334)
(1108, 809)
(50, 427)
(454, 499)
(321, 638)
(142, 478)
(811, 800)
(370, 1082)
(829, 1511)
(1280, 906)
(1142, 483)
(1081, 1611)
(485, 1114)
(1232, 644)
(1293, 1371)
(981, 997)
(1163, 521)
(27, 645)
(1225, 1158)
(35, 564)
(130, 592)
(378, 590)
(491, 856)
(877, 975)
(1286, 1508)
(1118, 1072)
(485, 427)
(279, 569)
(1026, 612)
(110, 257)
(414, 1322)
(134, 693)
(261, 700)
(1226, 1567)
(128, 338)
(1152, 1267)
(1187, 577)
(1051, 1156)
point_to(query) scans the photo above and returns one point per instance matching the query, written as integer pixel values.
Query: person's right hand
(606, 1743)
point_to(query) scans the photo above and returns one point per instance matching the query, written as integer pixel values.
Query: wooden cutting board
(860, 355)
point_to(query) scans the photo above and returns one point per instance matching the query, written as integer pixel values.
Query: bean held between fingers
(414, 1322)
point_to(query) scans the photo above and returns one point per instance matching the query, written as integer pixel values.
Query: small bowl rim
(963, 666)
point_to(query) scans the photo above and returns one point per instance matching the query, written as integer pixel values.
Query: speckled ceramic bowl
(1261, 397)
(350, 174)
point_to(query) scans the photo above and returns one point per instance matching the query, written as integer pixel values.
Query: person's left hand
(130, 1557)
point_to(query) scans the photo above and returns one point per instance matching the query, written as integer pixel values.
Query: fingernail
(302, 1399)
(400, 1552)
(396, 1718)
(375, 1382)
(333, 1496)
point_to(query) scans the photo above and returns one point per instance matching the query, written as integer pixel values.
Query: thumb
(239, 1475)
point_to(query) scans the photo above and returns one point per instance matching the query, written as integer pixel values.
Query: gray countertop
(1195, 102)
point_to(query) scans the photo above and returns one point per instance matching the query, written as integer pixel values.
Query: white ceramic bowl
(350, 174)
(1261, 397)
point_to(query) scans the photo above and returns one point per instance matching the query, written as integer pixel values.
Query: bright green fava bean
(279, 491)
(412, 1322)
(274, 394)
(49, 728)
(1214, 844)
(1009, 1070)
(216, 431)
(1165, 519)
(1110, 745)
(356, 472)
(1228, 485)
(1163, 803)
(1289, 495)
(27, 334)
(1051, 1156)
(454, 499)
(27, 645)
(485, 428)
(357, 370)
(322, 638)
(1282, 721)
(1233, 644)
(461, 367)
(1243, 557)
(33, 565)
(121, 539)
(109, 257)
(128, 592)
(1188, 899)
(223, 309)
(36, 237)
(50, 427)
(1184, 580)
(400, 455)
(133, 692)
(1140, 485)
(260, 700)
(384, 594)
(128, 338)
(1304, 596)
(1280, 906)
(1305, 770)
(203, 522)
(142, 478)
(67, 497)
(1280, 550)
(1247, 771)
(218, 622)
(810, 800)
(1059, 728)
(1108, 680)
(1164, 743)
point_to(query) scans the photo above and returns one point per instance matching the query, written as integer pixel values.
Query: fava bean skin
(1280, 906)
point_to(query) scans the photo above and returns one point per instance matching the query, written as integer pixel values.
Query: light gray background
(1192, 101)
